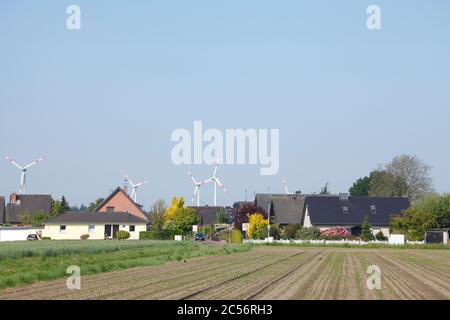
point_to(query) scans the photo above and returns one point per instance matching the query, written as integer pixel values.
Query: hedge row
(157, 235)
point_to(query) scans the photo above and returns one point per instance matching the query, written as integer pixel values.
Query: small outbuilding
(98, 225)
(437, 236)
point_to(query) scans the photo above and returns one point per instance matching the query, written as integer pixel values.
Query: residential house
(326, 211)
(98, 225)
(208, 214)
(22, 205)
(119, 201)
(330, 211)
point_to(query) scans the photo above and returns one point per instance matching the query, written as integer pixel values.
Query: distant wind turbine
(135, 187)
(23, 176)
(198, 185)
(216, 182)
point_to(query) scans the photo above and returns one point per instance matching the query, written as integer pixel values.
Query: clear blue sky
(104, 100)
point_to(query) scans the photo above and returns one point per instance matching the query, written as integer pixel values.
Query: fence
(349, 242)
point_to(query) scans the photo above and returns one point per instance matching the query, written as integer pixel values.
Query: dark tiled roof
(28, 204)
(261, 199)
(208, 214)
(288, 210)
(96, 217)
(2, 210)
(328, 210)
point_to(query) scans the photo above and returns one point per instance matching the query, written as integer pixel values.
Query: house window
(62, 229)
(132, 228)
(110, 209)
(91, 228)
(373, 209)
(345, 209)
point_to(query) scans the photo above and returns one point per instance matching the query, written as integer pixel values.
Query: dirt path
(267, 273)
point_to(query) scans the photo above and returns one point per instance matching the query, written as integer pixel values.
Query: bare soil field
(267, 273)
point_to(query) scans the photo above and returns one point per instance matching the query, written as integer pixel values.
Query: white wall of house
(96, 231)
(307, 220)
(17, 234)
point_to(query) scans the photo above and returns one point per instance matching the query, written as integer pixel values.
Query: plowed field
(267, 273)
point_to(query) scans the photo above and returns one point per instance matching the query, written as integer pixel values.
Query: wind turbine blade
(33, 163)
(129, 180)
(192, 177)
(14, 163)
(221, 185)
(140, 184)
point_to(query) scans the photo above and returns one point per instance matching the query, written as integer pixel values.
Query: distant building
(119, 201)
(2, 210)
(98, 225)
(21, 205)
(208, 215)
(326, 211)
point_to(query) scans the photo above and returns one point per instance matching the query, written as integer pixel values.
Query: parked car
(32, 237)
(200, 236)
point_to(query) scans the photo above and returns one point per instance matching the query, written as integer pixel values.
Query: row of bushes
(297, 232)
(157, 235)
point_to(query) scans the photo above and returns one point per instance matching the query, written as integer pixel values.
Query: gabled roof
(288, 210)
(95, 217)
(329, 210)
(116, 191)
(27, 204)
(208, 214)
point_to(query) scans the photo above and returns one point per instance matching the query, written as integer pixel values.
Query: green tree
(157, 215)
(183, 219)
(26, 219)
(414, 172)
(325, 189)
(64, 205)
(221, 217)
(93, 205)
(366, 230)
(290, 231)
(414, 223)
(361, 187)
(385, 184)
(55, 208)
(439, 206)
(311, 233)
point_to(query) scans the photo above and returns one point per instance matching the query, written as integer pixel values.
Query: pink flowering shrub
(335, 233)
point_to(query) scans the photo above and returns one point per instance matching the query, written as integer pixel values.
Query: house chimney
(13, 198)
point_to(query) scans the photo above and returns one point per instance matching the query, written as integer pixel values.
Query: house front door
(115, 229)
(108, 231)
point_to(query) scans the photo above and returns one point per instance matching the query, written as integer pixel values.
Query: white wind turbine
(197, 185)
(216, 182)
(135, 187)
(23, 176)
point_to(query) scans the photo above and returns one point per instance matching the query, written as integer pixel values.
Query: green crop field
(28, 262)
